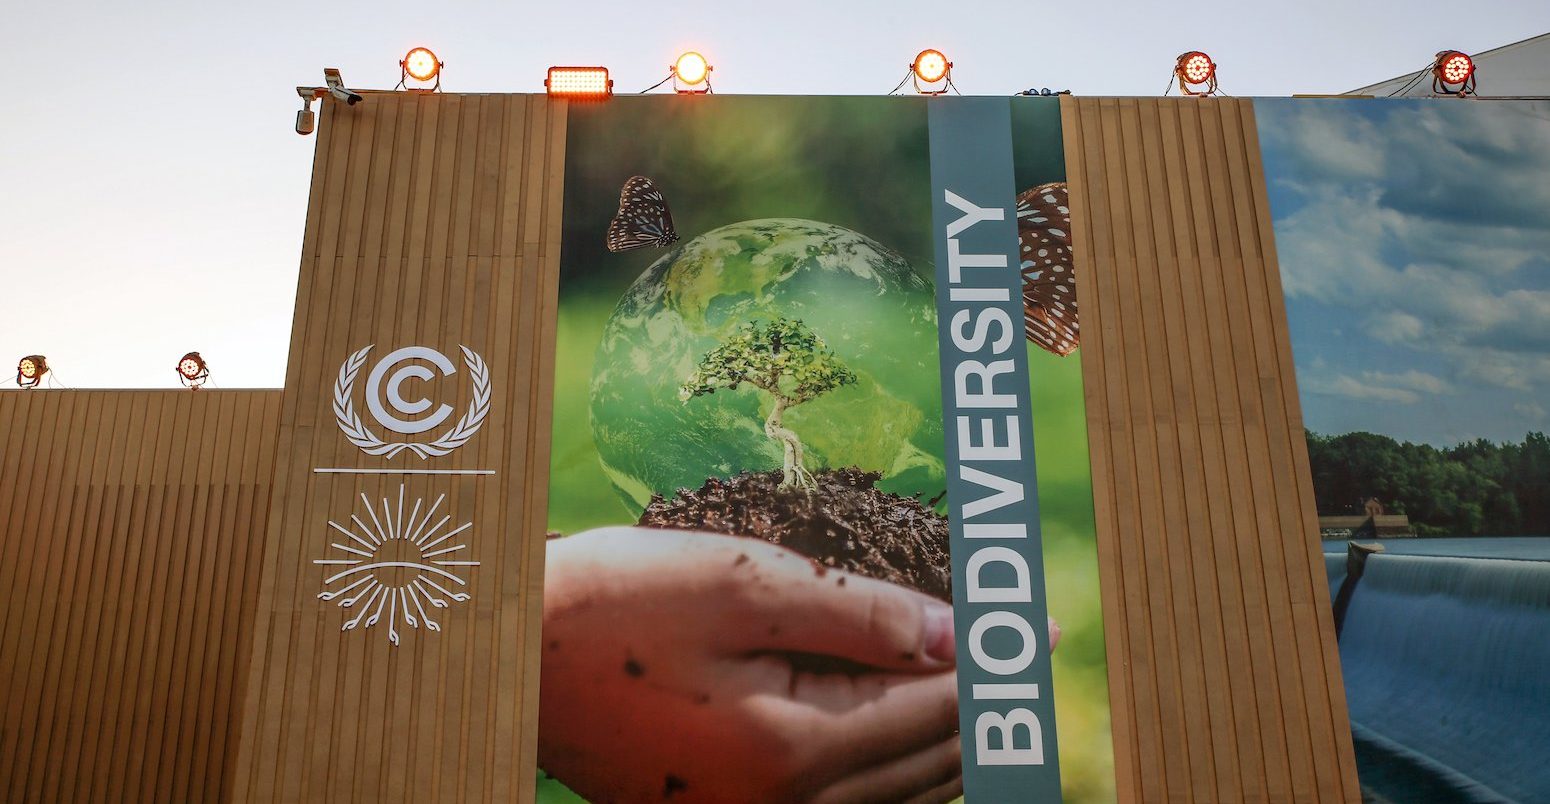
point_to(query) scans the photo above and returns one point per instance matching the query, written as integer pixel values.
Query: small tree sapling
(785, 360)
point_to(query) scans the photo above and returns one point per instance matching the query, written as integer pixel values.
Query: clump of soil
(845, 523)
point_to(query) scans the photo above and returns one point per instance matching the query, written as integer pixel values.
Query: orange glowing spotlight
(692, 68)
(30, 371)
(193, 370)
(931, 66)
(422, 65)
(931, 73)
(1452, 69)
(1195, 69)
(580, 83)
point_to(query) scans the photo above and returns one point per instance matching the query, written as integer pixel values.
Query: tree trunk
(793, 473)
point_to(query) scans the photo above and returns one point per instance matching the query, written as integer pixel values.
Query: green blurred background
(857, 162)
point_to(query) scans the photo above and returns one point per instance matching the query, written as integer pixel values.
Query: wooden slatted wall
(129, 544)
(1224, 675)
(433, 221)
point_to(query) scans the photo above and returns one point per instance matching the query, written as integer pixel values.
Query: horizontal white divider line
(346, 471)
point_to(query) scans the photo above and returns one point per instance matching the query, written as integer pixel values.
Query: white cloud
(1531, 409)
(1512, 370)
(1393, 326)
(1400, 388)
(1412, 379)
(1329, 248)
(1352, 388)
(1328, 142)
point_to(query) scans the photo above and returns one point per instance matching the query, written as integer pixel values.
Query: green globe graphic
(863, 299)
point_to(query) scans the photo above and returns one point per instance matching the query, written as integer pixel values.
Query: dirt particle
(702, 698)
(634, 668)
(908, 656)
(844, 523)
(742, 558)
(841, 581)
(554, 644)
(774, 630)
(672, 784)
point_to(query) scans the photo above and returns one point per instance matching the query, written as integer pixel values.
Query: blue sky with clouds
(1414, 241)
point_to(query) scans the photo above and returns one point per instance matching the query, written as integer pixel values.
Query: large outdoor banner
(1414, 243)
(820, 507)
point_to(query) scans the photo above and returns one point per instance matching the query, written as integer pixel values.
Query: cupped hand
(686, 667)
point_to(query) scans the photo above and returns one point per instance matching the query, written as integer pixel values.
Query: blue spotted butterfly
(643, 218)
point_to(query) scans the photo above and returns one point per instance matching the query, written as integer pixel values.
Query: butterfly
(1049, 285)
(643, 218)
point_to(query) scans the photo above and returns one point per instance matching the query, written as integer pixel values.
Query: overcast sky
(152, 191)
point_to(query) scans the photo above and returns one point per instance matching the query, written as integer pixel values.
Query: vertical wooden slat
(122, 527)
(106, 423)
(200, 586)
(116, 479)
(1317, 647)
(1203, 466)
(1152, 281)
(1205, 197)
(53, 633)
(436, 224)
(39, 631)
(188, 596)
(1262, 570)
(1224, 675)
(1089, 220)
(50, 423)
(133, 706)
(424, 734)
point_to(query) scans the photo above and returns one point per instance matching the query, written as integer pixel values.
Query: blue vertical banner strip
(1006, 708)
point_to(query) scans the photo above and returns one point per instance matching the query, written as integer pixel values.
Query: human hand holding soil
(679, 666)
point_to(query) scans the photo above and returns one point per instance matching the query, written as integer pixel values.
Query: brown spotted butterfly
(1049, 286)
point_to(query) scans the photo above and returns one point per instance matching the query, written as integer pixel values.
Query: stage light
(193, 370)
(579, 82)
(692, 69)
(690, 75)
(931, 72)
(1453, 68)
(1195, 69)
(421, 65)
(931, 66)
(30, 371)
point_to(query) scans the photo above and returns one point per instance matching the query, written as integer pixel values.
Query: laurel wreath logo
(361, 436)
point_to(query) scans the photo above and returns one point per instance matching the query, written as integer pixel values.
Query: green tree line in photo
(1472, 489)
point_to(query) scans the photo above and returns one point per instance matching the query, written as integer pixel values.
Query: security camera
(336, 86)
(306, 121)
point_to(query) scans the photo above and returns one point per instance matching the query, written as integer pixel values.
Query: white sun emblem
(397, 566)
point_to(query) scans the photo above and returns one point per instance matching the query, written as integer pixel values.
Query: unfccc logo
(384, 381)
